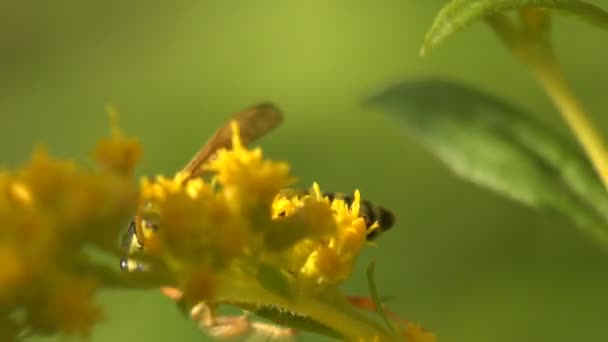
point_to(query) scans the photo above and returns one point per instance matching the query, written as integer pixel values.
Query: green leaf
(460, 13)
(496, 145)
(295, 321)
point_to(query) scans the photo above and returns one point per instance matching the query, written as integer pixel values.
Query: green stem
(342, 318)
(550, 76)
(534, 49)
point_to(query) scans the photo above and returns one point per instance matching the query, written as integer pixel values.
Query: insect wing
(253, 122)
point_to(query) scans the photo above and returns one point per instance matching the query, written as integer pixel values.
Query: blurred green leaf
(496, 145)
(458, 14)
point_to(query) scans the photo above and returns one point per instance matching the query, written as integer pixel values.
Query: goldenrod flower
(236, 238)
(240, 221)
(239, 238)
(52, 213)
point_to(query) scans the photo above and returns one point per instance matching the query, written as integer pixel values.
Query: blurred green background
(464, 262)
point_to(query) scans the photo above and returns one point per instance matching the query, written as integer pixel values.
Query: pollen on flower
(316, 191)
(356, 205)
(246, 176)
(238, 238)
(21, 194)
(283, 206)
(118, 153)
(159, 188)
(53, 213)
(197, 224)
(248, 218)
(236, 136)
(322, 264)
(334, 236)
(353, 237)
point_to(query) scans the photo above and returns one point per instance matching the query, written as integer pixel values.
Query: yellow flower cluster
(239, 238)
(52, 214)
(241, 224)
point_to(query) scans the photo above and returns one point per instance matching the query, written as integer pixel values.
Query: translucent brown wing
(254, 122)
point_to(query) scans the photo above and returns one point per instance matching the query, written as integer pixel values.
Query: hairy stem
(340, 317)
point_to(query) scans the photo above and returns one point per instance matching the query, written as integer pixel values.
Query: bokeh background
(462, 261)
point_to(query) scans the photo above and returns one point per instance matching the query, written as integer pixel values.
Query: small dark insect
(370, 212)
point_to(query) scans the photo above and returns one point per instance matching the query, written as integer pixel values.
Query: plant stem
(550, 76)
(532, 46)
(342, 318)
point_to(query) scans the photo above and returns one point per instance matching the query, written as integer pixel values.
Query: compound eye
(124, 264)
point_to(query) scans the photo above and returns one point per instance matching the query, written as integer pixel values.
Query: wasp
(254, 122)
